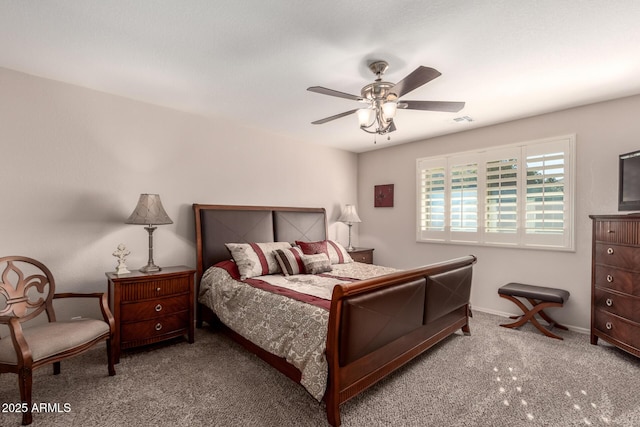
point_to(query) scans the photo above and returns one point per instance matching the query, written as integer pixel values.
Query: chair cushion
(53, 338)
(535, 292)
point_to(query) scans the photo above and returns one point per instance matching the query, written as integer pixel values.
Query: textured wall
(603, 131)
(74, 162)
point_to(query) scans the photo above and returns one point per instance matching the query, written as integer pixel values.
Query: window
(519, 195)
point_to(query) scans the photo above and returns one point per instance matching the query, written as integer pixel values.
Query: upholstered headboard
(220, 224)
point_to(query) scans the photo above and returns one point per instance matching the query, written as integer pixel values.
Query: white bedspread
(286, 327)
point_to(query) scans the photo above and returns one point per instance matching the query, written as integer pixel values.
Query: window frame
(562, 239)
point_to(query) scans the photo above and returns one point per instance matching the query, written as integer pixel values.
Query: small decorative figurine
(121, 253)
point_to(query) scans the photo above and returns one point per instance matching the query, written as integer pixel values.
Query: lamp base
(150, 268)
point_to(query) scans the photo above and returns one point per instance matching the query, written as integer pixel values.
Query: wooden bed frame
(414, 309)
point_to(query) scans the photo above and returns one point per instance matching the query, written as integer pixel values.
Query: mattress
(284, 315)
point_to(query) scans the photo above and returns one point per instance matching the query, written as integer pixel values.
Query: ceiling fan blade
(417, 78)
(337, 116)
(451, 107)
(392, 127)
(331, 92)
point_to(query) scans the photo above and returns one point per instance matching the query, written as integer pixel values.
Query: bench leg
(537, 308)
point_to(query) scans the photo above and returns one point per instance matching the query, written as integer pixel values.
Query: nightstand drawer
(132, 312)
(362, 255)
(149, 329)
(136, 291)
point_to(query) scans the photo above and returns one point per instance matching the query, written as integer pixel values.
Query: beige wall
(74, 161)
(603, 131)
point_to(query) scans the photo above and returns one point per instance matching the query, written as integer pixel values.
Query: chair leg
(25, 381)
(111, 358)
(56, 368)
(548, 318)
(530, 313)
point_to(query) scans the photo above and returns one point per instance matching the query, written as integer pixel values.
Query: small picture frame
(383, 196)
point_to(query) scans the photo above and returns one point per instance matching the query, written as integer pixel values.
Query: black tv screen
(629, 182)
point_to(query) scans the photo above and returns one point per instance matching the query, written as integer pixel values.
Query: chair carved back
(26, 289)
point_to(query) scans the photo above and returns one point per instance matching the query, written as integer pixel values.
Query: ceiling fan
(383, 99)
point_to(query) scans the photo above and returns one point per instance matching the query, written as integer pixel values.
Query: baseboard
(505, 314)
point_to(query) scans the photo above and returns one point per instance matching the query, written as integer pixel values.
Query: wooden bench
(540, 298)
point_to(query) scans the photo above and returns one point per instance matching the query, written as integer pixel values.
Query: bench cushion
(535, 292)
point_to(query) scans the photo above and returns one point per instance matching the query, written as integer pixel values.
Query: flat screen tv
(629, 182)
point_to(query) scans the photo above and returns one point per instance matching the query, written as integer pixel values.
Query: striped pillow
(335, 251)
(316, 263)
(256, 259)
(290, 261)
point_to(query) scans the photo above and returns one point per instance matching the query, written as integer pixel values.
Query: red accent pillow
(311, 248)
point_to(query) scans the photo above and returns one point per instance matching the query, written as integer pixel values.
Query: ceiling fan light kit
(383, 99)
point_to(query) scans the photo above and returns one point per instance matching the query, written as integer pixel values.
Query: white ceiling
(252, 61)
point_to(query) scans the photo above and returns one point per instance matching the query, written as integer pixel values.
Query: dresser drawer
(616, 231)
(149, 329)
(618, 328)
(136, 311)
(619, 280)
(135, 291)
(618, 256)
(618, 304)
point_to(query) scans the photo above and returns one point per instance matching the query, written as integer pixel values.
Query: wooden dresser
(615, 281)
(151, 307)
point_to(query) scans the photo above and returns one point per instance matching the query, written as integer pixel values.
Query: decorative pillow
(290, 260)
(336, 253)
(256, 259)
(311, 248)
(316, 263)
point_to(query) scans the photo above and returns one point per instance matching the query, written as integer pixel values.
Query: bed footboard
(380, 324)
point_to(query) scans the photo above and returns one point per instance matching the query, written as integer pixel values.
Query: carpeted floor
(495, 377)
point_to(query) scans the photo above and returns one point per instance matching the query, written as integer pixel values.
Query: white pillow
(256, 259)
(337, 253)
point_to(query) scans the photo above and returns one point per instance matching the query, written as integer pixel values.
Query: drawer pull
(159, 307)
(609, 278)
(610, 251)
(610, 231)
(608, 325)
(609, 302)
(158, 289)
(159, 326)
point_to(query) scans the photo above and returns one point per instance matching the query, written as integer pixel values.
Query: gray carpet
(495, 377)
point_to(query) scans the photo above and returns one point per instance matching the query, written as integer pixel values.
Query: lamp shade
(349, 215)
(389, 109)
(149, 211)
(365, 116)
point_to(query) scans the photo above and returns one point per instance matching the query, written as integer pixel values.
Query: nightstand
(364, 255)
(151, 307)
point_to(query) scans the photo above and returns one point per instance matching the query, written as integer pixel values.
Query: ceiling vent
(463, 119)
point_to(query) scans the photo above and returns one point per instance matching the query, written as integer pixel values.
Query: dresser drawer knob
(158, 289)
(609, 302)
(609, 278)
(159, 307)
(610, 231)
(159, 326)
(610, 251)
(608, 325)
